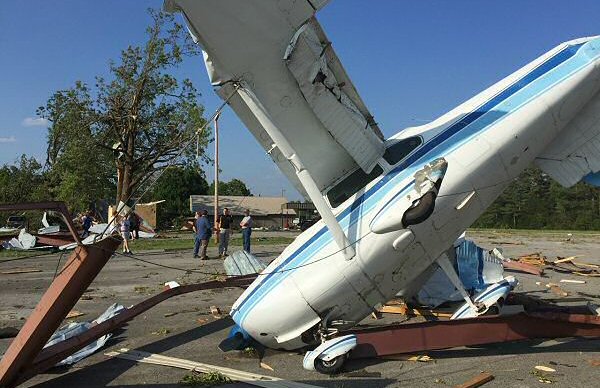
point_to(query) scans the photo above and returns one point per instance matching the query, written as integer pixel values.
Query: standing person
(203, 232)
(134, 222)
(224, 225)
(246, 225)
(86, 222)
(125, 228)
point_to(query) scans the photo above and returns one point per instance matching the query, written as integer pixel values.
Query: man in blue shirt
(203, 231)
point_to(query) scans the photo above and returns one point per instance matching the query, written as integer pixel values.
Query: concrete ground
(183, 326)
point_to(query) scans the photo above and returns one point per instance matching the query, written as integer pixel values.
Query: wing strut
(248, 96)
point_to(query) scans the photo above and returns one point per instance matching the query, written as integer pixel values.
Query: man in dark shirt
(203, 232)
(86, 223)
(224, 225)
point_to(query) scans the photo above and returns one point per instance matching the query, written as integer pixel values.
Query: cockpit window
(351, 184)
(398, 151)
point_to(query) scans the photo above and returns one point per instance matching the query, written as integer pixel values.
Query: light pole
(216, 201)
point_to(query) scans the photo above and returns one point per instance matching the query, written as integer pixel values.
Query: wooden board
(484, 377)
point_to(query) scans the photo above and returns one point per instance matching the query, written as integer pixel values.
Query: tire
(421, 211)
(330, 367)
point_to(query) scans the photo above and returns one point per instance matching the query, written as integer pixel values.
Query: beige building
(267, 212)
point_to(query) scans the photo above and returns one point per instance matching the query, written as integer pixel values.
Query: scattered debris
(544, 368)
(482, 378)
(542, 377)
(8, 332)
(405, 310)
(20, 270)
(215, 311)
(406, 357)
(242, 263)
(171, 284)
(162, 331)
(234, 374)
(167, 315)
(536, 259)
(205, 379)
(266, 366)
(74, 314)
(249, 352)
(594, 362)
(572, 281)
(556, 290)
(77, 328)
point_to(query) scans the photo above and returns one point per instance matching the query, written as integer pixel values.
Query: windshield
(398, 151)
(351, 184)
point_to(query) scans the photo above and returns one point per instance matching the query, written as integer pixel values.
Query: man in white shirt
(246, 225)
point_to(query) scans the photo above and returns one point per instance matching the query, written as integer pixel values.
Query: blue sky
(410, 60)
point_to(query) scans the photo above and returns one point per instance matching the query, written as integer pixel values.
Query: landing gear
(329, 357)
(332, 366)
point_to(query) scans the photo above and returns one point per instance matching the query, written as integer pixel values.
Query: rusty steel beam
(435, 335)
(79, 271)
(51, 355)
(58, 206)
(56, 240)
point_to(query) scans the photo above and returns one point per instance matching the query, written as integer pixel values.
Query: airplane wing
(279, 51)
(574, 155)
(273, 63)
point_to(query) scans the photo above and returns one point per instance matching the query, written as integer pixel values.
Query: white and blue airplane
(391, 208)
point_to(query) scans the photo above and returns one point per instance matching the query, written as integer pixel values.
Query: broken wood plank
(74, 314)
(545, 368)
(234, 374)
(20, 270)
(404, 310)
(522, 267)
(482, 378)
(564, 260)
(572, 281)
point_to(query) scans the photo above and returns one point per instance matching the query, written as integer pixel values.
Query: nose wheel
(330, 356)
(332, 366)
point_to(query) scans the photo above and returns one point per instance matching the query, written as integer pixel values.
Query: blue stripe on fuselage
(423, 151)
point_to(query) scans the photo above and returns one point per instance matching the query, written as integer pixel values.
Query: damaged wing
(277, 53)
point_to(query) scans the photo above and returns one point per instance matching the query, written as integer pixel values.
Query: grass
(179, 243)
(204, 379)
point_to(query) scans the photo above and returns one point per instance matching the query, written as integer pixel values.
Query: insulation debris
(78, 328)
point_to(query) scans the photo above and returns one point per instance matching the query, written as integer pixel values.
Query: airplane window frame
(375, 173)
(396, 143)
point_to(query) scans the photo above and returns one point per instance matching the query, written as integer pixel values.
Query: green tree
(233, 187)
(23, 182)
(79, 172)
(140, 117)
(175, 186)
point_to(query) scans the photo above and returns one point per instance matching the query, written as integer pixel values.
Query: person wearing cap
(246, 226)
(203, 231)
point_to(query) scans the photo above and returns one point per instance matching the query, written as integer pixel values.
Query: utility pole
(282, 196)
(216, 201)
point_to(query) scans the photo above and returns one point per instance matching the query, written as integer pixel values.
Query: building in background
(267, 212)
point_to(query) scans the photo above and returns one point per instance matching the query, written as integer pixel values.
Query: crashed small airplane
(391, 208)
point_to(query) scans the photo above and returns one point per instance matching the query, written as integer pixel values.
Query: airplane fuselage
(487, 142)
